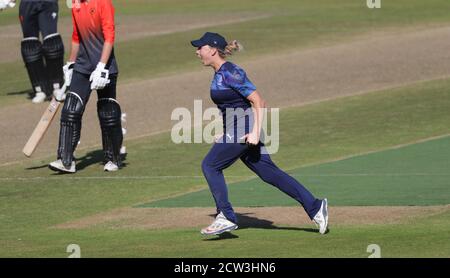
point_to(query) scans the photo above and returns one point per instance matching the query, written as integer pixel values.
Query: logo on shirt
(54, 15)
(92, 11)
(237, 76)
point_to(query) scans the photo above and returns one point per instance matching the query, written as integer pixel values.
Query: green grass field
(410, 176)
(404, 240)
(33, 199)
(291, 25)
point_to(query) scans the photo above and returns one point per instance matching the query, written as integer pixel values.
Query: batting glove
(60, 93)
(68, 72)
(99, 77)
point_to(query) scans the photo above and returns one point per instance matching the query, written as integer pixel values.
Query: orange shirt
(93, 25)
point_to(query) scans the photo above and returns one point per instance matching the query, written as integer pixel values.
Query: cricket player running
(232, 91)
(43, 60)
(91, 66)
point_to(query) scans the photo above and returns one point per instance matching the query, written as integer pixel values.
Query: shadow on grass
(28, 92)
(91, 158)
(37, 167)
(95, 157)
(226, 235)
(247, 221)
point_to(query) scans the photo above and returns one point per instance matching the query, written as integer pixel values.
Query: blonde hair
(232, 47)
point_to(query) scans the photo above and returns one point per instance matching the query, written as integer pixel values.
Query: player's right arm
(75, 45)
(68, 67)
(100, 76)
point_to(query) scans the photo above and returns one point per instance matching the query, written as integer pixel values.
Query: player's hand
(99, 77)
(60, 94)
(68, 72)
(251, 139)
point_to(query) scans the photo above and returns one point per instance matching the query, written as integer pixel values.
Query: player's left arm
(108, 29)
(100, 76)
(258, 105)
(238, 80)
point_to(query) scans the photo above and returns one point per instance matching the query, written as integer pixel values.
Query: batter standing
(91, 66)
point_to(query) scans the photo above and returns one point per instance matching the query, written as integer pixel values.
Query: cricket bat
(41, 127)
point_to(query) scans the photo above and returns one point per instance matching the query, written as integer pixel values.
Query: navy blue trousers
(223, 155)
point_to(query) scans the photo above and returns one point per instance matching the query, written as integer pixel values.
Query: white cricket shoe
(110, 167)
(321, 217)
(58, 166)
(220, 225)
(39, 97)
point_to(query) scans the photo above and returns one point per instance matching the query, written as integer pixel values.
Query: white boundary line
(65, 177)
(247, 177)
(137, 137)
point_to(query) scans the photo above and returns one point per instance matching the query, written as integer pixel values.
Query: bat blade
(41, 127)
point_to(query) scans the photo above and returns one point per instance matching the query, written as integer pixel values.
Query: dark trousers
(38, 16)
(81, 86)
(223, 155)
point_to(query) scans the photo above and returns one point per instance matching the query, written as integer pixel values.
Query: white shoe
(39, 97)
(220, 225)
(321, 217)
(110, 167)
(58, 166)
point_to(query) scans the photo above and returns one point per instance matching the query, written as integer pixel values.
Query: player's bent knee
(207, 167)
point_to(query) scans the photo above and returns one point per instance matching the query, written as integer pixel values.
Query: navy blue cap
(211, 39)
